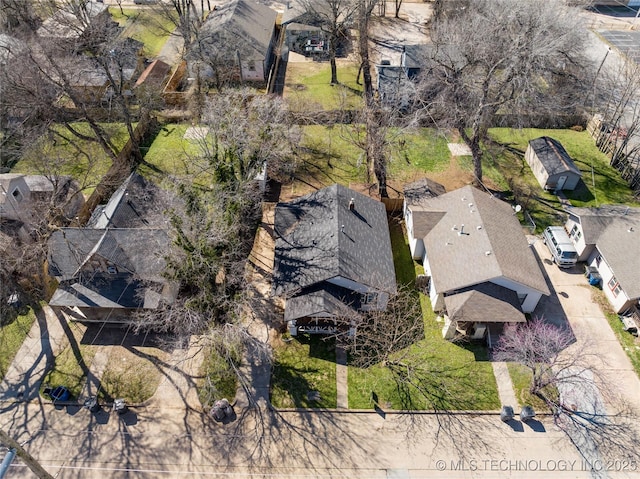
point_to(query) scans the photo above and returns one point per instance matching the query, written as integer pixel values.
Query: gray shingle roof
(615, 230)
(485, 303)
(312, 246)
(323, 300)
(137, 203)
(106, 291)
(490, 245)
(553, 156)
(249, 23)
(134, 251)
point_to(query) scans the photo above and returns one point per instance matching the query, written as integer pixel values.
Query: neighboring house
(115, 265)
(551, 164)
(73, 19)
(481, 270)
(333, 259)
(396, 82)
(608, 238)
(21, 196)
(240, 33)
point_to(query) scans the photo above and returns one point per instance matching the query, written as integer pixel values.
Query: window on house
(578, 235)
(598, 260)
(574, 229)
(252, 66)
(369, 298)
(614, 286)
(17, 195)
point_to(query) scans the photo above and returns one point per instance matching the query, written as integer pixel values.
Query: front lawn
(72, 364)
(12, 334)
(308, 87)
(521, 379)
(304, 364)
(447, 376)
(132, 373)
(218, 379)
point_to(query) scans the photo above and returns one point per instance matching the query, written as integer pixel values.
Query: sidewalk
(45, 339)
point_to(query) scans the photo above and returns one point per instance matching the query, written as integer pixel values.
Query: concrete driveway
(571, 305)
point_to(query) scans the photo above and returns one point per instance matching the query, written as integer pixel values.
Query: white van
(562, 249)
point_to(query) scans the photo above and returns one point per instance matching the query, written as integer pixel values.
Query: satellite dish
(517, 208)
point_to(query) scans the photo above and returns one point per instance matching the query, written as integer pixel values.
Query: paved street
(167, 439)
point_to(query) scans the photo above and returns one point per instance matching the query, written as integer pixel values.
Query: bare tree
(186, 16)
(618, 131)
(334, 18)
(563, 377)
(499, 57)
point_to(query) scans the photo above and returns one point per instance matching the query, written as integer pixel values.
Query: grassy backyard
(330, 155)
(601, 183)
(66, 154)
(170, 151)
(148, 26)
(304, 364)
(12, 335)
(308, 87)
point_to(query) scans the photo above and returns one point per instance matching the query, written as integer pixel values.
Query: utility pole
(18, 450)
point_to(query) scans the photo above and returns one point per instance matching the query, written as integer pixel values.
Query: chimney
(352, 204)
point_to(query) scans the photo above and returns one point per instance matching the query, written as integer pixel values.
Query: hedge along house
(482, 273)
(551, 164)
(608, 238)
(333, 259)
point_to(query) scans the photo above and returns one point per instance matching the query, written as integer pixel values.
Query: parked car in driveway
(562, 250)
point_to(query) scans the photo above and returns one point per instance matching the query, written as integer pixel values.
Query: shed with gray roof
(551, 164)
(332, 249)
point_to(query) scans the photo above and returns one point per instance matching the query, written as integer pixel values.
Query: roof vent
(470, 205)
(461, 232)
(342, 229)
(454, 228)
(479, 227)
(352, 204)
(631, 230)
(487, 253)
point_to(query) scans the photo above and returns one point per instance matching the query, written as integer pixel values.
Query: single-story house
(21, 196)
(239, 37)
(481, 270)
(608, 238)
(333, 259)
(116, 264)
(551, 164)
